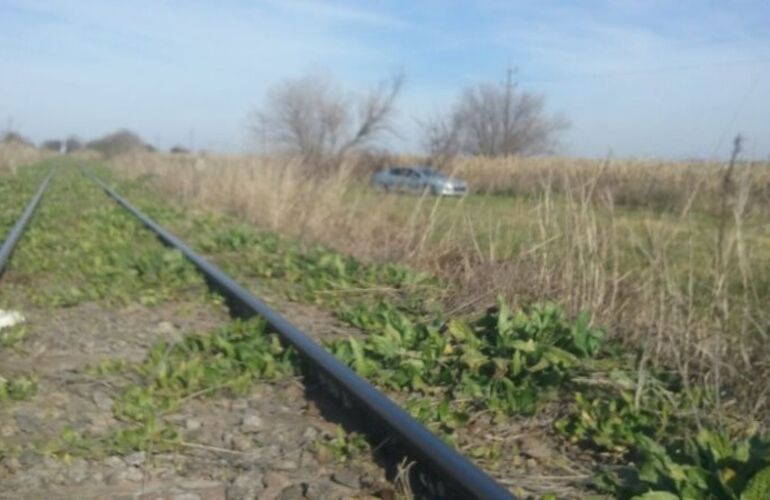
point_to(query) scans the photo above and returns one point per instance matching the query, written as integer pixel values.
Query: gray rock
(116, 477)
(241, 443)
(114, 462)
(29, 458)
(346, 477)
(247, 485)
(27, 421)
(307, 460)
(310, 434)
(165, 328)
(186, 496)
(227, 438)
(239, 404)
(133, 474)
(136, 459)
(12, 464)
(293, 492)
(252, 423)
(192, 425)
(98, 422)
(274, 483)
(317, 490)
(31, 482)
(7, 430)
(78, 471)
(102, 400)
(286, 464)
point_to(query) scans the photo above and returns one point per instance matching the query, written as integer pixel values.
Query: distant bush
(120, 142)
(54, 145)
(180, 150)
(16, 138)
(72, 144)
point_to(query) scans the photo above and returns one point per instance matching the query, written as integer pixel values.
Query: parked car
(418, 180)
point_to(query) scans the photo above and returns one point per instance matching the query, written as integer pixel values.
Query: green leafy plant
(17, 388)
(343, 446)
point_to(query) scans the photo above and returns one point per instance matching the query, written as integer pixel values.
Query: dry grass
(685, 282)
(14, 155)
(633, 183)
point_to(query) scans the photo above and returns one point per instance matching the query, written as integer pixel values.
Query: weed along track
(17, 230)
(148, 368)
(130, 379)
(441, 470)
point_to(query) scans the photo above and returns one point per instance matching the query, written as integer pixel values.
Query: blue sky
(642, 78)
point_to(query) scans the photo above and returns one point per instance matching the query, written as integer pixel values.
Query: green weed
(11, 337)
(343, 446)
(17, 388)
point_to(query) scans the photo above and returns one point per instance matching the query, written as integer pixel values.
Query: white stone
(10, 318)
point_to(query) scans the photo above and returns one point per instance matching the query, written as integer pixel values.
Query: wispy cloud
(631, 74)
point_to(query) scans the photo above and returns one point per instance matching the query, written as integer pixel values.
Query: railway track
(438, 471)
(13, 237)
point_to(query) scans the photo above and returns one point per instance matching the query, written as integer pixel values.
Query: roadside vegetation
(488, 316)
(479, 344)
(16, 151)
(686, 285)
(15, 191)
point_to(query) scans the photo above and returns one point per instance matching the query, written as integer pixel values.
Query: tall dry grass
(651, 184)
(688, 287)
(14, 155)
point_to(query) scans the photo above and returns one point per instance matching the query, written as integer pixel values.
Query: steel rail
(440, 470)
(21, 223)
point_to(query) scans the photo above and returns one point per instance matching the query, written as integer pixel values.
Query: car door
(414, 181)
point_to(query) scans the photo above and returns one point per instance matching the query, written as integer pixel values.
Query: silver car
(418, 180)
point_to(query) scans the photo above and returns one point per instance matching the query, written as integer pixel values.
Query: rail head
(14, 235)
(440, 470)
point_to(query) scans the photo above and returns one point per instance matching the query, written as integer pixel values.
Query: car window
(396, 171)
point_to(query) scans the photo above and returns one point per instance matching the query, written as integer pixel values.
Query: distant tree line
(315, 117)
(312, 116)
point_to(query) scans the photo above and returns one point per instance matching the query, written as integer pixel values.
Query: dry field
(673, 259)
(14, 155)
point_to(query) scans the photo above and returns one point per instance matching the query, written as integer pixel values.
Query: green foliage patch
(507, 363)
(229, 360)
(17, 388)
(81, 246)
(640, 424)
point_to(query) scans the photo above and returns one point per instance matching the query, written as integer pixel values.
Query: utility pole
(506, 139)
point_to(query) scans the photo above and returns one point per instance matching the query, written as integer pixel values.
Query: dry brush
(640, 245)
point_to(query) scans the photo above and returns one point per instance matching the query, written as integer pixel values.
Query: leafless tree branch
(311, 116)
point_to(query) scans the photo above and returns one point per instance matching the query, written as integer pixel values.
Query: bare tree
(441, 138)
(494, 120)
(311, 116)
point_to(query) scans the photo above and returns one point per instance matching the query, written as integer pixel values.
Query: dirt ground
(257, 446)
